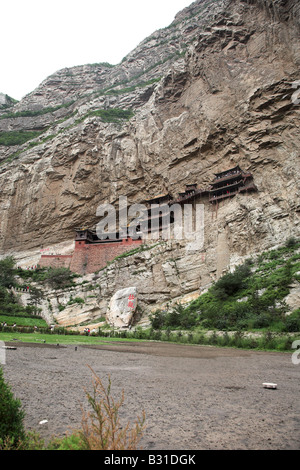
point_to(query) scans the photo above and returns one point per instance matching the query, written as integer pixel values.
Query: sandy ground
(194, 397)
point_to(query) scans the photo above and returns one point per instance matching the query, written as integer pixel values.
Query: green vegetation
(114, 115)
(77, 300)
(110, 115)
(11, 138)
(114, 91)
(7, 272)
(9, 103)
(57, 278)
(104, 64)
(9, 305)
(31, 113)
(134, 251)
(60, 336)
(12, 312)
(23, 321)
(263, 340)
(101, 427)
(32, 144)
(11, 416)
(244, 308)
(250, 298)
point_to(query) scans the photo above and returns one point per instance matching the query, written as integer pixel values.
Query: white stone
(122, 307)
(269, 385)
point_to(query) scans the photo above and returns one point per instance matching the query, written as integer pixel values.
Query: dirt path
(194, 397)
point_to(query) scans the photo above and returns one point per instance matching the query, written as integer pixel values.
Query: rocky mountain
(6, 101)
(215, 89)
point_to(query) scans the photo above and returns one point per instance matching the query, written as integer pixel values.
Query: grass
(23, 321)
(60, 338)
(264, 341)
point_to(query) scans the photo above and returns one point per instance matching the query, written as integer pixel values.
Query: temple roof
(223, 173)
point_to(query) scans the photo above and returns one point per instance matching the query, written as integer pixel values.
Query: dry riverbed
(194, 397)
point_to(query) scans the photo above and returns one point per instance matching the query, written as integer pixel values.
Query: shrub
(238, 338)
(292, 321)
(101, 428)
(11, 416)
(224, 339)
(59, 277)
(77, 300)
(268, 340)
(72, 442)
(232, 282)
(213, 339)
(157, 319)
(291, 242)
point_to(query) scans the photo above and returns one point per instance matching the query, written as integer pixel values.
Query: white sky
(40, 37)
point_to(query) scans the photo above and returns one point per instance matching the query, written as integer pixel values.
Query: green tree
(231, 283)
(7, 272)
(59, 277)
(157, 319)
(11, 415)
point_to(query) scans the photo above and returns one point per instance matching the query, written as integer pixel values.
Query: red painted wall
(89, 258)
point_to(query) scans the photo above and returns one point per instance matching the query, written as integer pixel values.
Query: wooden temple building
(229, 183)
(91, 253)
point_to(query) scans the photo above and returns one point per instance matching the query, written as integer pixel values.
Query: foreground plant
(11, 416)
(101, 427)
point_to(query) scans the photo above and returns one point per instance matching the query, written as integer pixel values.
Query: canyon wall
(215, 89)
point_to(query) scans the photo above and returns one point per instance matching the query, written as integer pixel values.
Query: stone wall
(55, 261)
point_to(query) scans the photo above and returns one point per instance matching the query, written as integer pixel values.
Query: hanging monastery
(92, 254)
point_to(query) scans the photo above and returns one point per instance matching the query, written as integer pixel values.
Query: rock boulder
(122, 307)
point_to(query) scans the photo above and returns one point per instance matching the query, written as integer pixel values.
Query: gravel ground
(194, 397)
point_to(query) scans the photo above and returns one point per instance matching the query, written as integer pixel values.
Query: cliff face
(215, 89)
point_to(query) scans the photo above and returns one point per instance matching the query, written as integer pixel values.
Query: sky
(38, 38)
